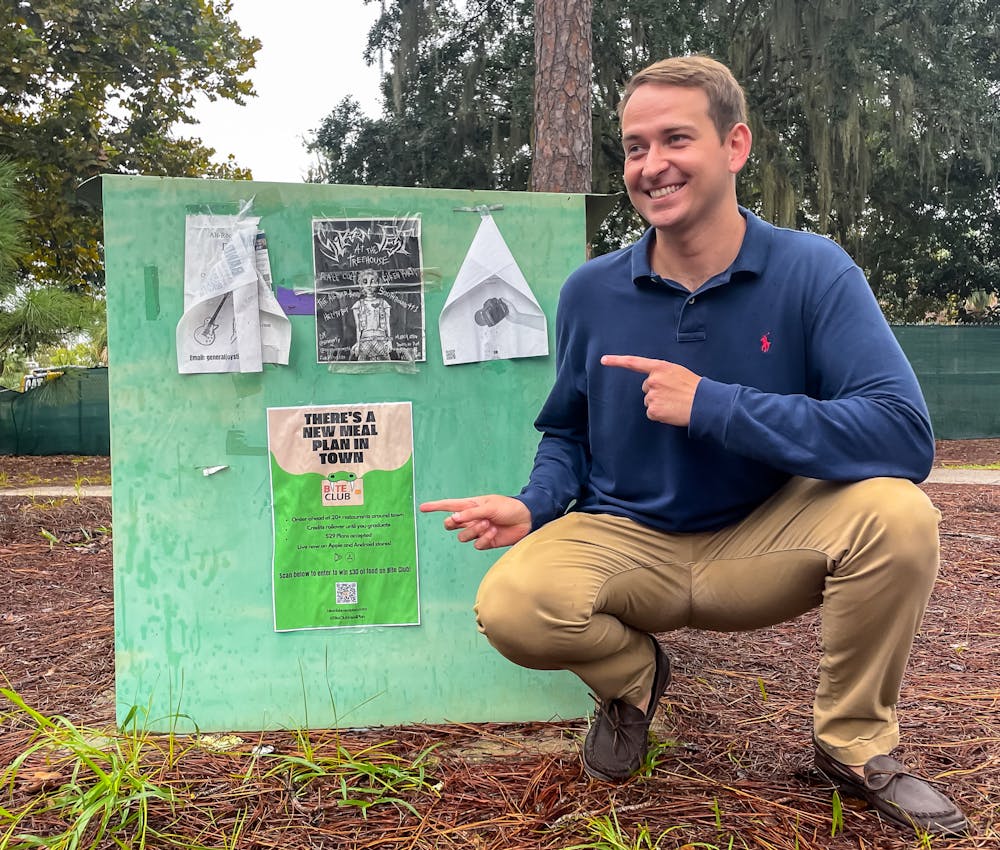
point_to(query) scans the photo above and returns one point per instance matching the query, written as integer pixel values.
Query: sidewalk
(939, 475)
(55, 491)
(947, 475)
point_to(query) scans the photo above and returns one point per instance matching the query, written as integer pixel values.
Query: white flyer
(491, 312)
(232, 321)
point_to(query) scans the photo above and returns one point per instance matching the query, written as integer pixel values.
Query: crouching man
(733, 438)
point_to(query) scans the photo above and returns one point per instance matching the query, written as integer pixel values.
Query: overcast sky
(310, 60)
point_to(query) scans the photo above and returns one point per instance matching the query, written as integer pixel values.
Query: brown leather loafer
(619, 736)
(897, 794)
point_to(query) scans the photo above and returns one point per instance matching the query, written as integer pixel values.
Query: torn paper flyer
(231, 320)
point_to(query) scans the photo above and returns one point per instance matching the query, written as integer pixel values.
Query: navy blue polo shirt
(801, 375)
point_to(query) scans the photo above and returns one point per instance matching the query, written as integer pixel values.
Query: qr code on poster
(347, 593)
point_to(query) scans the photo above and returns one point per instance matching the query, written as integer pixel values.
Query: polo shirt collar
(750, 261)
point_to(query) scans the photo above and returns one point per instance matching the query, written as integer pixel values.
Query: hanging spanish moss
(874, 121)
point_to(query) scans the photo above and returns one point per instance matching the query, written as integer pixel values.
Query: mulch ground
(735, 769)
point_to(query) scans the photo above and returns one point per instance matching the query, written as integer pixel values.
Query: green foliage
(13, 215)
(104, 790)
(13, 368)
(655, 756)
(873, 122)
(455, 114)
(72, 787)
(88, 353)
(97, 86)
(836, 814)
(44, 333)
(605, 832)
(371, 777)
(43, 316)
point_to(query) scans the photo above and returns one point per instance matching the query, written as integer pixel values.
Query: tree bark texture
(561, 160)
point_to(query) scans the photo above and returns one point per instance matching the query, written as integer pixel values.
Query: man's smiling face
(678, 172)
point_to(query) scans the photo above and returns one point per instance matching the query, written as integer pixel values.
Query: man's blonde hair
(727, 104)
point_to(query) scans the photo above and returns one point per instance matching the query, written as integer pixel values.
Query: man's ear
(738, 141)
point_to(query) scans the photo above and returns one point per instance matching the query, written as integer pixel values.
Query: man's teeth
(662, 193)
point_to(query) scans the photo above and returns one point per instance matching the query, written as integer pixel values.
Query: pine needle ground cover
(730, 765)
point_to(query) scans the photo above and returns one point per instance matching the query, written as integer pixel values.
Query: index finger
(450, 505)
(631, 362)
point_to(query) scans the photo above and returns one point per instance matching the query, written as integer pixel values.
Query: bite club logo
(342, 488)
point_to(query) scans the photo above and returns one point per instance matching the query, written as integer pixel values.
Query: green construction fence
(65, 415)
(958, 367)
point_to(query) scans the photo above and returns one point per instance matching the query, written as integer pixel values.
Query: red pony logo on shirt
(765, 342)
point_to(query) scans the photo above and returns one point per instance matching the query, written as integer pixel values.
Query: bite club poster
(345, 548)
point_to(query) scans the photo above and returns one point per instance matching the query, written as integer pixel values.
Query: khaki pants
(582, 592)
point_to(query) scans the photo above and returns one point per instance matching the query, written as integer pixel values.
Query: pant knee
(499, 608)
(526, 620)
(901, 523)
(899, 501)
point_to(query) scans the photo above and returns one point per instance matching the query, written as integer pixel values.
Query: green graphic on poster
(345, 545)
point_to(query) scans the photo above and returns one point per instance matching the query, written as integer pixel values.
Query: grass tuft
(96, 787)
(372, 777)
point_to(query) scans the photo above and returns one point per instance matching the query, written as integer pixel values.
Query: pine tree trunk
(563, 66)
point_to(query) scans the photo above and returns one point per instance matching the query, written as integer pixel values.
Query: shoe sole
(594, 773)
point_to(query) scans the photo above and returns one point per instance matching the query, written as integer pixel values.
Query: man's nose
(657, 160)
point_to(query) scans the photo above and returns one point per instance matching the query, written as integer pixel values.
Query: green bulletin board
(194, 627)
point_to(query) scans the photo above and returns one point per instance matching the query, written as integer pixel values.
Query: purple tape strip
(296, 305)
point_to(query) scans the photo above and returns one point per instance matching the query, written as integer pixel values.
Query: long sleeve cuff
(712, 410)
(541, 506)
